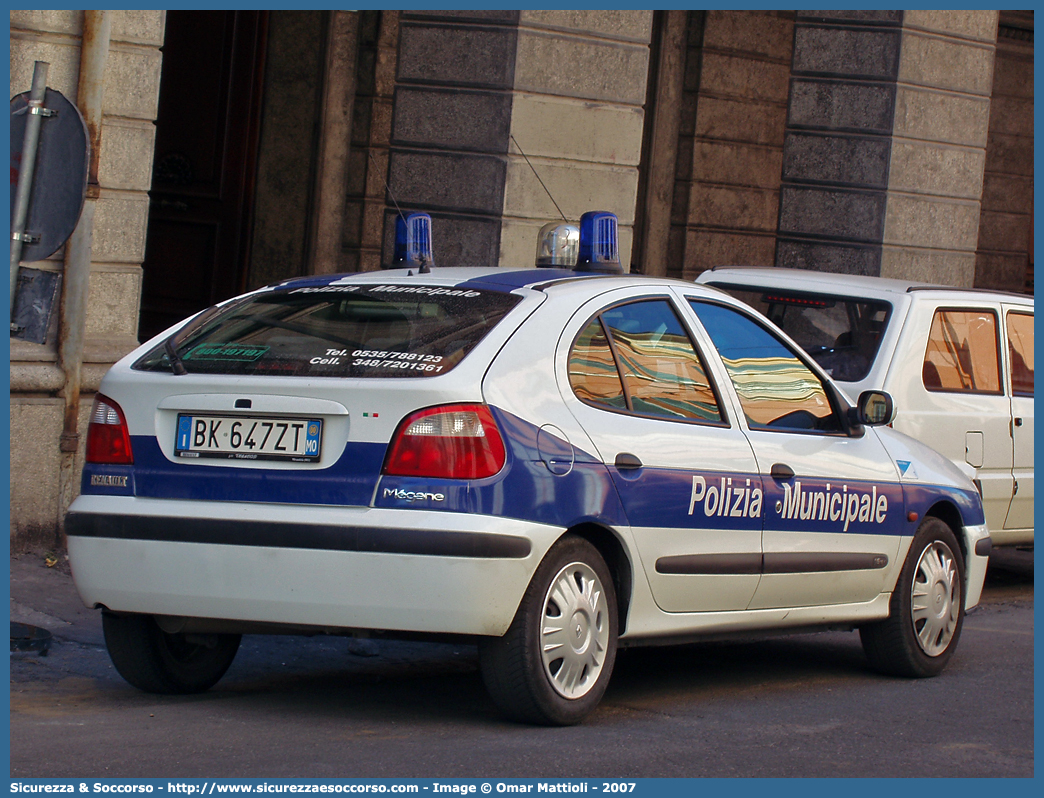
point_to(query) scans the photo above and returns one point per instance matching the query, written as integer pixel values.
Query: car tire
(553, 664)
(926, 610)
(157, 662)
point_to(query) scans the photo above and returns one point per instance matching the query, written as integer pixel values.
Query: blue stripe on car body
(510, 280)
(818, 504)
(921, 498)
(526, 490)
(502, 280)
(349, 481)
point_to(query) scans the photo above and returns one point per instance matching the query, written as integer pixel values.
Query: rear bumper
(355, 568)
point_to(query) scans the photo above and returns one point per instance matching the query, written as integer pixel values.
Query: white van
(957, 362)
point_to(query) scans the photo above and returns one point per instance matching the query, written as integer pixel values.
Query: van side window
(1020, 353)
(962, 354)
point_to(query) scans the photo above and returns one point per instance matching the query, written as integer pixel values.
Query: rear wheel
(927, 608)
(554, 663)
(157, 662)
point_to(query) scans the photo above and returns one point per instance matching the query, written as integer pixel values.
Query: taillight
(449, 442)
(108, 438)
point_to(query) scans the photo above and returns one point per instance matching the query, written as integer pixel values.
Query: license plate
(249, 438)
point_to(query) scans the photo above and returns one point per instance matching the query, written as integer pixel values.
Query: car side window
(962, 354)
(640, 352)
(592, 369)
(1020, 353)
(776, 389)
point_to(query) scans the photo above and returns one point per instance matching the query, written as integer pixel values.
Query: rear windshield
(841, 333)
(338, 331)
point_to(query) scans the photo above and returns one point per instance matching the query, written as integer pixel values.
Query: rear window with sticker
(337, 331)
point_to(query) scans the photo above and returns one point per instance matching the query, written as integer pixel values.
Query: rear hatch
(842, 333)
(292, 395)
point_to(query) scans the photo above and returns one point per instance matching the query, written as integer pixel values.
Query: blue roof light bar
(413, 247)
(599, 249)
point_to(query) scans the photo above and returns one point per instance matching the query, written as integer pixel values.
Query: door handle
(781, 471)
(1018, 421)
(626, 461)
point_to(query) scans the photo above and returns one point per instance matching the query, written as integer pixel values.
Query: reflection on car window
(776, 390)
(1020, 353)
(656, 367)
(592, 370)
(962, 356)
(841, 333)
(346, 330)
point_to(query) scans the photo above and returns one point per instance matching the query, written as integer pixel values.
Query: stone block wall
(838, 140)
(886, 143)
(365, 208)
(942, 112)
(450, 128)
(579, 88)
(284, 175)
(731, 139)
(1003, 260)
(129, 109)
(477, 89)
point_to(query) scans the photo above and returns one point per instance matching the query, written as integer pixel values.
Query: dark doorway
(207, 132)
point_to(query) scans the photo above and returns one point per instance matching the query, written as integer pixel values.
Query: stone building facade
(238, 148)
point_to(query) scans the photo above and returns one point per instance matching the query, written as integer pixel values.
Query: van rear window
(843, 334)
(389, 330)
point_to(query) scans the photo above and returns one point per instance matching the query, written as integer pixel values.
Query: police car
(551, 462)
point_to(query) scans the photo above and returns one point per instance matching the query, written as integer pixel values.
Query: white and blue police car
(550, 462)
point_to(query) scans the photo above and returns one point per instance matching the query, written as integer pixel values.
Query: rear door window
(340, 331)
(638, 357)
(592, 369)
(962, 355)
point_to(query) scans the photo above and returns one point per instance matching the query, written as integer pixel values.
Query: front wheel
(926, 611)
(554, 663)
(157, 662)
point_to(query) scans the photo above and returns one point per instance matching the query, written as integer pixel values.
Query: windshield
(841, 333)
(339, 331)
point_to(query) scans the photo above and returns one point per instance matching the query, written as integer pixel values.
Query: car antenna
(424, 267)
(535, 172)
(386, 186)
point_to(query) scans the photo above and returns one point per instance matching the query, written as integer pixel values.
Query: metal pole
(94, 53)
(25, 170)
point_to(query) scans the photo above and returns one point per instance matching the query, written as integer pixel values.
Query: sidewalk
(46, 597)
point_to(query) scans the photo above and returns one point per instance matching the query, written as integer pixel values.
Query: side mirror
(875, 408)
